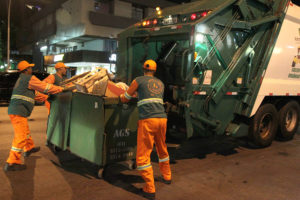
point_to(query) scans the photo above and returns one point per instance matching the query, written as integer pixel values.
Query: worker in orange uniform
(152, 126)
(20, 107)
(56, 79)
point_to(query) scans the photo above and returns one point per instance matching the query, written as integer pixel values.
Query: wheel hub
(265, 125)
(290, 120)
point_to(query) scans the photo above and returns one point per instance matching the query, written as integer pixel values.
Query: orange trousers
(150, 131)
(22, 139)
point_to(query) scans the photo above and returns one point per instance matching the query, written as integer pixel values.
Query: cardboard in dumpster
(98, 83)
(113, 90)
(100, 86)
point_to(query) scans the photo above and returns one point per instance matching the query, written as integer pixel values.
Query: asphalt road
(205, 169)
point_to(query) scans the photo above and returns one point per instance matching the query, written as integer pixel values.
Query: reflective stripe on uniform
(144, 166)
(47, 88)
(16, 149)
(127, 96)
(150, 100)
(164, 159)
(16, 96)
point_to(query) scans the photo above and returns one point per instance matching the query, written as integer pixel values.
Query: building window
(137, 12)
(110, 45)
(102, 7)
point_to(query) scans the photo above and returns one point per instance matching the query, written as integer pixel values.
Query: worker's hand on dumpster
(69, 88)
(51, 98)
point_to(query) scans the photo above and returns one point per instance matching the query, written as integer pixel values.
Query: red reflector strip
(298, 94)
(287, 94)
(231, 93)
(270, 94)
(199, 92)
(261, 80)
(155, 29)
(176, 27)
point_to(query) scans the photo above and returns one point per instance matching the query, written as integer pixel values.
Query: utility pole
(8, 35)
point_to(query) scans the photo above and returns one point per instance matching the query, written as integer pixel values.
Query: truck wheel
(263, 126)
(288, 120)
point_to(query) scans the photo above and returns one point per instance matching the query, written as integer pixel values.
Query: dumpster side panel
(121, 131)
(59, 120)
(87, 127)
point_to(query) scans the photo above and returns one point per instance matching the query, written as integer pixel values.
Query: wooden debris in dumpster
(74, 78)
(86, 83)
(99, 87)
(97, 82)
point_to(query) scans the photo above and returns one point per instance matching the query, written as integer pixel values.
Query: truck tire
(263, 126)
(288, 120)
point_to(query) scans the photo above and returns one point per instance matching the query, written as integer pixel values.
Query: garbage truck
(224, 63)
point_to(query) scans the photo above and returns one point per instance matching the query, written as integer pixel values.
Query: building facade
(81, 33)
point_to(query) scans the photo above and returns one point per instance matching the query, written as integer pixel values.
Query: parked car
(8, 80)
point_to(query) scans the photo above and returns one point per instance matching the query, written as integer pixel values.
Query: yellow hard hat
(60, 65)
(150, 65)
(24, 65)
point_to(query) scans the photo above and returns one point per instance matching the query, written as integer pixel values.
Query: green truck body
(212, 57)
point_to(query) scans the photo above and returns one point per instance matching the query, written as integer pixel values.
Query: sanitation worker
(152, 126)
(56, 79)
(20, 107)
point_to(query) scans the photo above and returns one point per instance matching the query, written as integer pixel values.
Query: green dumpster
(59, 120)
(101, 130)
(97, 129)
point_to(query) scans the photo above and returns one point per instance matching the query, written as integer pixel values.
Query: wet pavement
(208, 169)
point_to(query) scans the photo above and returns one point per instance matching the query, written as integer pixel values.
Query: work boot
(33, 150)
(147, 195)
(14, 167)
(161, 179)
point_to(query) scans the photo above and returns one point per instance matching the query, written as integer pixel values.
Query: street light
(8, 35)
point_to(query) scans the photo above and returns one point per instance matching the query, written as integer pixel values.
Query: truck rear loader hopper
(224, 63)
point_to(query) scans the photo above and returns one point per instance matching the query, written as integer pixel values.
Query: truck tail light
(204, 14)
(193, 16)
(154, 22)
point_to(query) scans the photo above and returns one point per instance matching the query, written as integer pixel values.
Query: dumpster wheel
(55, 149)
(131, 164)
(102, 172)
